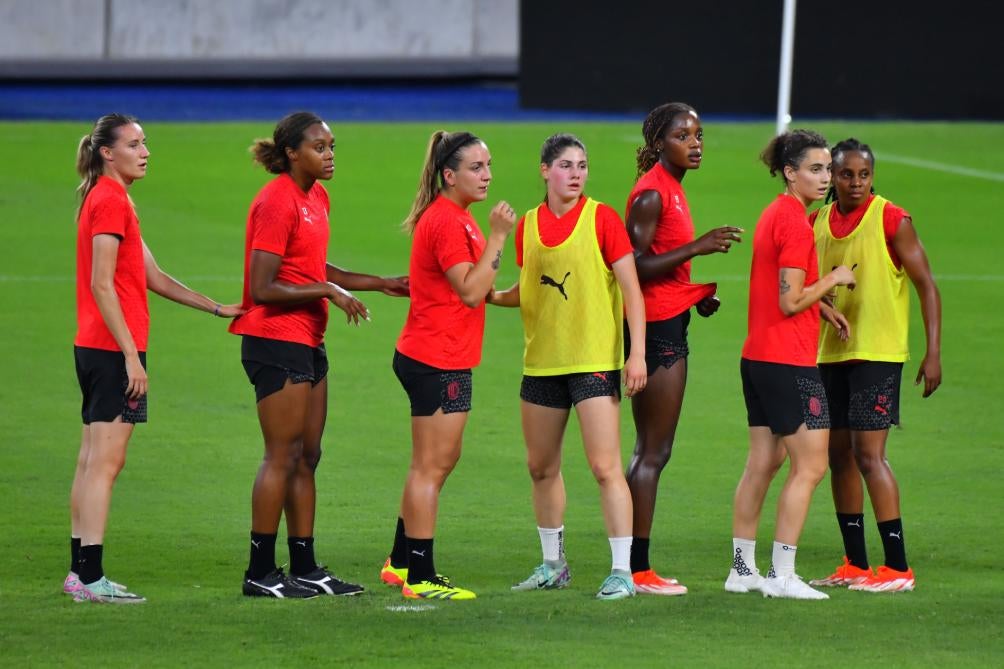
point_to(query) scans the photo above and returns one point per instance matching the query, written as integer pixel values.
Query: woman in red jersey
(114, 270)
(662, 232)
(577, 286)
(862, 374)
(452, 270)
(287, 285)
(785, 400)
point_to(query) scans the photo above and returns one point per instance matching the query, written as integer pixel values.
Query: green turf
(178, 531)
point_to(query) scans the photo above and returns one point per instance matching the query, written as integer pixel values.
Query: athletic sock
(75, 555)
(90, 563)
(262, 560)
(420, 563)
(639, 554)
(620, 553)
(552, 543)
(783, 559)
(744, 556)
(891, 532)
(301, 555)
(399, 553)
(852, 528)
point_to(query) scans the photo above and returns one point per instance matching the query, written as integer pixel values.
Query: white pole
(787, 59)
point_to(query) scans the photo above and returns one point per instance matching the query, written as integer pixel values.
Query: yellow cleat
(391, 575)
(438, 587)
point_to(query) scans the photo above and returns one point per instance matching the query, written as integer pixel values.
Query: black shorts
(665, 342)
(863, 395)
(270, 362)
(564, 390)
(431, 389)
(103, 382)
(783, 397)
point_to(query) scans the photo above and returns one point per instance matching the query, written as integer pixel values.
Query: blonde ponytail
(442, 153)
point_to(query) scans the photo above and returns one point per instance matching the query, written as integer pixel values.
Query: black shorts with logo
(564, 390)
(270, 362)
(431, 389)
(103, 382)
(863, 395)
(665, 342)
(783, 397)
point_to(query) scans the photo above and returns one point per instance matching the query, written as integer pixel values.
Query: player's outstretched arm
(165, 285)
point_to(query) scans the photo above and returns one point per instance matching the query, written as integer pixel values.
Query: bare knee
(605, 472)
(656, 454)
(870, 463)
(311, 457)
(542, 470)
(284, 460)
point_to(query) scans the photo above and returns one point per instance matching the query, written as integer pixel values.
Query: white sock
(620, 552)
(552, 543)
(783, 559)
(744, 556)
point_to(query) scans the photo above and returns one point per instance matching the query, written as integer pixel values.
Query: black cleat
(277, 584)
(323, 582)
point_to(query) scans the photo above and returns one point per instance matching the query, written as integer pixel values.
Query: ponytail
(442, 153)
(90, 164)
(788, 150)
(288, 134)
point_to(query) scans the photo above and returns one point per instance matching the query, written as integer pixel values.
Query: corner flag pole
(787, 59)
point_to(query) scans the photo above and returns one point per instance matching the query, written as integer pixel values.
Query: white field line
(941, 167)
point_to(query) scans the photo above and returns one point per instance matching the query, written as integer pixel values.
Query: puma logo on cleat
(545, 280)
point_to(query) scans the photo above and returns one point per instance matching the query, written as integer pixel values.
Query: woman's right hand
(346, 301)
(502, 219)
(843, 276)
(718, 240)
(138, 382)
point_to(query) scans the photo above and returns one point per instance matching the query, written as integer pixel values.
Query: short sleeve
(110, 216)
(448, 242)
(518, 239)
(272, 225)
(612, 235)
(794, 241)
(892, 216)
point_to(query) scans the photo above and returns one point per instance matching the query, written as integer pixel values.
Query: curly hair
(654, 129)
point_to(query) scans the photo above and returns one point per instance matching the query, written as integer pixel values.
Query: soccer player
(785, 400)
(115, 268)
(662, 233)
(862, 374)
(577, 279)
(287, 286)
(452, 270)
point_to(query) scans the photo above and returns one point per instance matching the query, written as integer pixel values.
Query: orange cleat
(846, 574)
(887, 580)
(649, 583)
(395, 576)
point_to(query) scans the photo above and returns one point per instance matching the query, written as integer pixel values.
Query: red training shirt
(290, 223)
(671, 294)
(108, 211)
(441, 330)
(783, 238)
(553, 230)
(842, 225)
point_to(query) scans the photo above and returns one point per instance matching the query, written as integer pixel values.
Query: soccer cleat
(887, 580)
(105, 592)
(845, 574)
(649, 583)
(391, 575)
(789, 587)
(324, 582)
(751, 582)
(72, 584)
(438, 587)
(618, 585)
(546, 577)
(277, 584)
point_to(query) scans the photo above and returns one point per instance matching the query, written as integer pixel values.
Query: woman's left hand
(229, 311)
(708, 306)
(837, 320)
(396, 286)
(635, 375)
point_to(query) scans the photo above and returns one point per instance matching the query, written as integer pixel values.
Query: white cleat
(790, 587)
(752, 582)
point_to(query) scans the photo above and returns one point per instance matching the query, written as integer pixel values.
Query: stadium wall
(855, 58)
(238, 39)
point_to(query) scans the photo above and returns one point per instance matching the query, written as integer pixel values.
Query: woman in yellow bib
(577, 282)
(862, 372)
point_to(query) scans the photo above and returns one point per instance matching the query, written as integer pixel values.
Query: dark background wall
(878, 58)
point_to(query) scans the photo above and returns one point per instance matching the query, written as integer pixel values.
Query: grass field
(178, 530)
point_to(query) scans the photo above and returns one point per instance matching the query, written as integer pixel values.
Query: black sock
(399, 553)
(75, 555)
(639, 554)
(301, 555)
(90, 563)
(891, 532)
(852, 528)
(420, 564)
(262, 560)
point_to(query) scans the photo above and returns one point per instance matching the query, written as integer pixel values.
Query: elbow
(788, 309)
(258, 296)
(471, 301)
